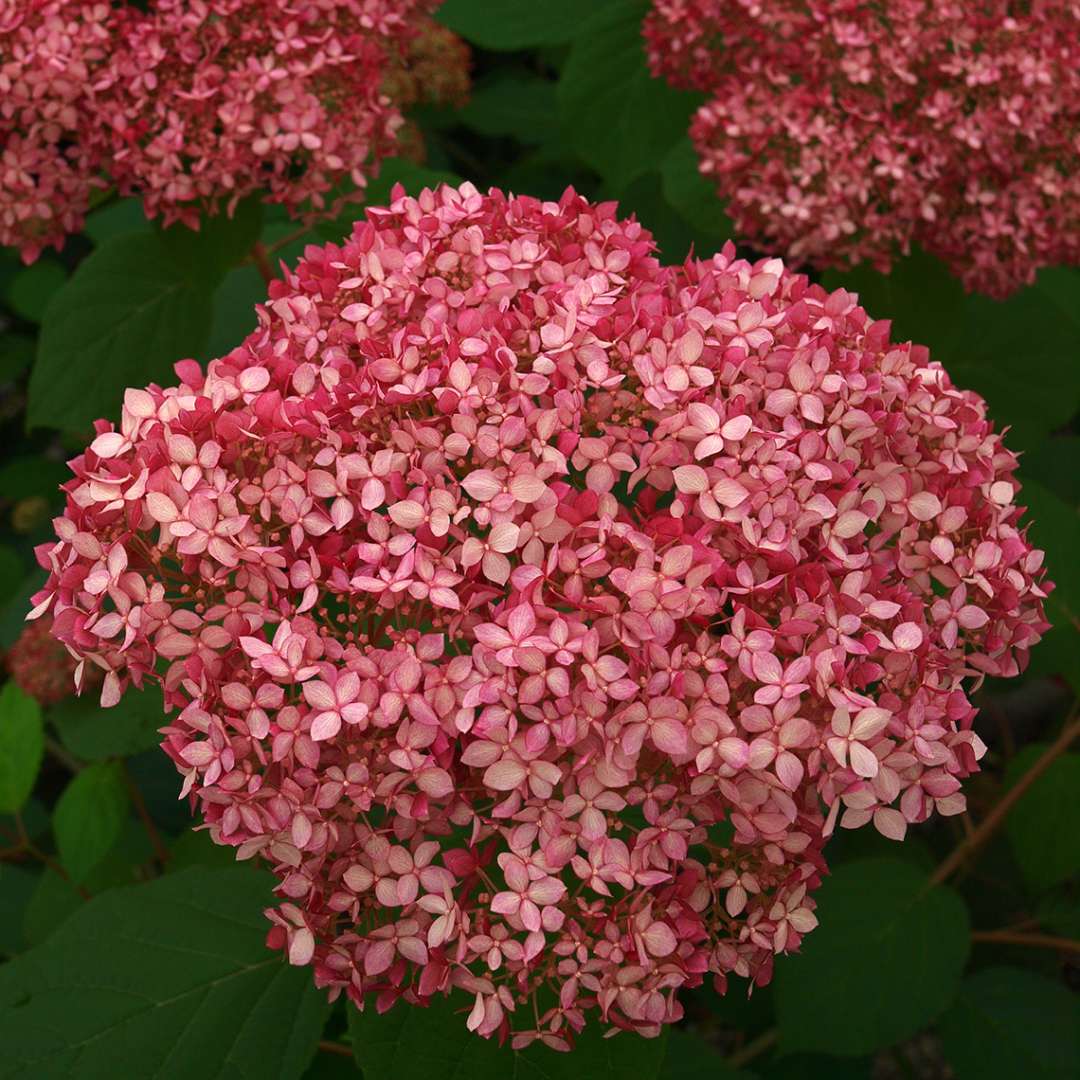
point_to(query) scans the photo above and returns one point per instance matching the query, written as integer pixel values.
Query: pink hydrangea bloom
(211, 100)
(536, 612)
(49, 53)
(844, 132)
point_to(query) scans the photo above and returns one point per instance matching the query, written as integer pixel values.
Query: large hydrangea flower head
(211, 100)
(846, 132)
(50, 51)
(536, 612)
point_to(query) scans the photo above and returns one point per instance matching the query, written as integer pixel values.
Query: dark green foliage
(134, 947)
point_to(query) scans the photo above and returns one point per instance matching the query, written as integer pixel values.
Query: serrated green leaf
(221, 241)
(512, 24)
(89, 817)
(412, 1043)
(94, 734)
(22, 743)
(170, 979)
(32, 287)
(17, 885)
(126, 315)
(690, 1057)
(885, 960)
(517, 104)
(1009, 1023)
(116, 219)
(622, 120)
(693, 196)
(16, 355)
(234, 310)
(1044, 826)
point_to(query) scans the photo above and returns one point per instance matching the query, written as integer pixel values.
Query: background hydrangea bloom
(216, 99)
(536, 611)
(194, 105)
(844, 132)
(50, 52)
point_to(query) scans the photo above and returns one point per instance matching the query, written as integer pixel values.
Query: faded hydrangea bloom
(840, 132)
(191, 105)
(50, 51)
(536, 612)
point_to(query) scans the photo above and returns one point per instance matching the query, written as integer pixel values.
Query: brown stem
(29, 847)
(287, 239)
(1035, 941)
(161, 850)
(261, 258)
(329, 1047)
(71, 763)
(754, 1048)
(989, 825)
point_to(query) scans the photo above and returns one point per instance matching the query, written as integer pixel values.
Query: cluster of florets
(536, 611)
(49, 53)
(43, 668)
(192, 105)
(844, 132)
(435, 70)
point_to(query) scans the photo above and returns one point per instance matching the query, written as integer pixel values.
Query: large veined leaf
(22, 743)
(127, 314)
(128, 727)
(168, 980)
(411, 1043)
(885, 960)
(1044, 826)
(622, 120)
(1012, 1024)
(89, 817)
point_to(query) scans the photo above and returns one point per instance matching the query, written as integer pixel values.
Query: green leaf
(1010, 1023)
(17, 885)
(1044, 826)
(412, 1043)
(22, 477)
(693, 196)
(116, 219)
(94, 734)
(22, 743)
(89, 817)
(170, 979)
(886, 959)
(690, 1057)
(16, 355)
(622, 120)
(512, 24)
(30, 290)
(221, 241)
(129, 312)
(234, 310)
(517, 104)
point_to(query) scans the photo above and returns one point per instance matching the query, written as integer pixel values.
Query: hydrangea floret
(536, 611)
(847, 132)
(191, 105)
(50, 53)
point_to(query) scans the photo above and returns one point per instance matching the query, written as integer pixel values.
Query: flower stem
(1035, 941)
(754, 1048)
(261, 258)
(161, 851)
(330, 1047)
